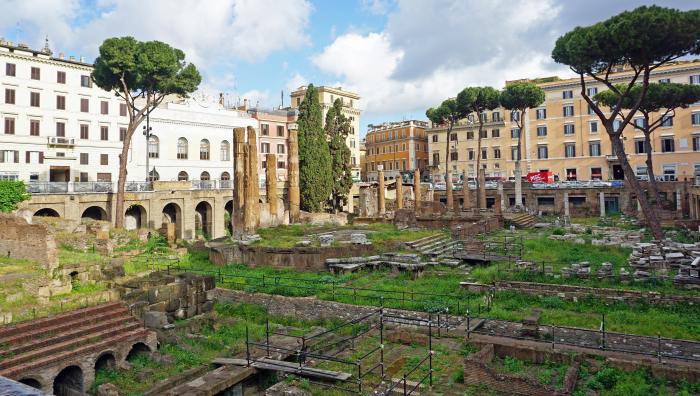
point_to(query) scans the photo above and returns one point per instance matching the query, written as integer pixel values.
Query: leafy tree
(315, 173)
(447, 113)
(337, 130)
(518, 98)
(12, 192)
(476, 100)
(663, 99)
(135, 71)
(641, 40)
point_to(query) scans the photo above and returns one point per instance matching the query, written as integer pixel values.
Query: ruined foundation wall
(21, 240)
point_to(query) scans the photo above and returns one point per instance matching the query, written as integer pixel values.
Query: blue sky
(400, 56)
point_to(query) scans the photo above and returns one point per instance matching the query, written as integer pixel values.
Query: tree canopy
(337, 130)
(659, 96)
(521, 96)
(477, 99)
(12, 192)
(315, 173)
(445, 113)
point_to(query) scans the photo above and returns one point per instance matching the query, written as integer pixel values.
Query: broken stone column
(271, 185)
(517, 173)
(448, 190)
(679, 203)
(399, 193)
(502, 196)
(416, 190)
(497, 205)
(251, 210)
(239, 169)
(293, 176)
(482, 189)
(465, 192)
(566, 204)
(601, 202)
(380, 194)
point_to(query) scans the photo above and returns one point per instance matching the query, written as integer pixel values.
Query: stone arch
(228, 215)
(172, 214)
(29, 381)
(46, 212)
(137, 349)
(94, 213)
(203, 219)
(107, 360)
(135, 217)
(69, 382)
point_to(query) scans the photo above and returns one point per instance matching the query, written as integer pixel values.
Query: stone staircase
(42, 342)
(435, 246)
(523, 220)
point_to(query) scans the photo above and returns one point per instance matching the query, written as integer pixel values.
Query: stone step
(431, 240)
(421, 240)
(432, 246)
(442, 248)
(43, 331)
(69, 345)
(16, 370)
(19, 328)
(74, 332)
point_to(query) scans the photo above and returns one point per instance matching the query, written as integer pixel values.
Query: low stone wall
(301, 258)
(22, 240)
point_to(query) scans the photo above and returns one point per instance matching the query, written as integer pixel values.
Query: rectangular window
(104, 107)
(453, 137)
(435, 138)
(265, 148)
(34, 157)
(571, 174)
(569, 150)
(84, 159)
(36, 73)
(495, 133)
(484, 134)
(667, 121)
(639, 122)
(667, 145)
(695, 118)
(496, 116)
(264, 129)
(84, 105)
(568, 129)
(454, 156)
(696, 143)
(470, 154)
(515, 116)
(591, 91)
(34, 126)
(436, 159)
(280, 130)
(10, 69)
(85, 81)
(567, 94)
(9, 156)
(122, 110)
(596, 174)
(664, 80)
(84, 131)
(496, 153)
(470, 135)
(280, 149)
(669, 172)
(542, 130)
(514, 153)
(60, 102)
(594, 149)
(590, 110)
(34, 99)
(60, 129)
(9, 126)
(281, 164)
(515, 133)
(542, 152)
(541, 114)
(640, 147)
(484, 153)
(104, 132)
(122, 134)
(616, 125)
(104, 159)
(695, 79)
(568, 111)
(593, 126)
(9, 96)
(61, 77)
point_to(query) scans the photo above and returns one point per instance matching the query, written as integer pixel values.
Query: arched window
(153, 175)
(204, 149)
(225, 176)
(182, 176)
(225, 151)
(153, 147)
(204, 176)
(182, 148)
(225, 181)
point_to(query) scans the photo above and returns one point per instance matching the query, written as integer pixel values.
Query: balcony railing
(84, 187)
(211, 184)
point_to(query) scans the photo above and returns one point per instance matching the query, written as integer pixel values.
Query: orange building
(396, 147)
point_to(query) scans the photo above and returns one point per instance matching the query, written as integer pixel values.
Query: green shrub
(513, 365)
(558, 231)
(458, 376)
(12, 192)
(606, 378)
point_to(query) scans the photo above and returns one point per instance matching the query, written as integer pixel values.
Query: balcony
(215, 184)
(84, 187)
(54, 141)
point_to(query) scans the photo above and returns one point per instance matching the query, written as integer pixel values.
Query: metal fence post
(247, 347)
(658, 345)
(469, 327)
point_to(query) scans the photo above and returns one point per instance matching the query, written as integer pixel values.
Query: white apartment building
(56, 125)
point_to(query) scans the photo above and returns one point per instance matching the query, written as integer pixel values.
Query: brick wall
(21, 240)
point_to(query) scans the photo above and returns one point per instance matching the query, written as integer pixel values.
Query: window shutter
(16, 156)
(41, 157)
(26, 156)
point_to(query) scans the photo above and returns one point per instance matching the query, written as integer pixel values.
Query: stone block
(155, 319)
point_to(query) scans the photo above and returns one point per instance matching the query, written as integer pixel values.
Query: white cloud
(258, 98)
(30, 21)
(377, 7)
(296, 81)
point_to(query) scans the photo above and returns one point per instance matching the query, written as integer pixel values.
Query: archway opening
(228, 215)
(135, 217)
(94, 213)
(30, 382)
(106, 361)
(74, 281)
(46, 212)
(138, 349)
(69, 382)
(172, 214)
(203, 219)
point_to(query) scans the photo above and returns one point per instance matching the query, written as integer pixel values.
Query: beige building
(327, 95)
(397, 147)
(274, 136)
(563, 136)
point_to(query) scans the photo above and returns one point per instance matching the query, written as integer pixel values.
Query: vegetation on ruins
(12, 192)
(518, 97)
(447, 113)
(337, 130)
(641, 40)
(143, 74)
(660, 96)
(315, 173)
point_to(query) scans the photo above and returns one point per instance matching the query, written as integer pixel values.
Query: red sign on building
(540, 177)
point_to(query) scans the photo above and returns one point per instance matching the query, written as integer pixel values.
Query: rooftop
(323, 88)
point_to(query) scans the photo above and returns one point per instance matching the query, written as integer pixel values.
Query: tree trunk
(479, 204)
(518, 169)
(653, 186)
(647, 209)
(448, 172)
(121, 181)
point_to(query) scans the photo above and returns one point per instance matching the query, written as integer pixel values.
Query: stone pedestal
(416, 190)
(601, 202)
(566, 204)
(293, 176)
(399, 193)
(482, 189)
(465, 192)
(381, 207)
(518, 174)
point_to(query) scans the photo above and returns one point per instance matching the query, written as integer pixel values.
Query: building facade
(274, 136)
(397, 147)
(565, 137)
(327, 95)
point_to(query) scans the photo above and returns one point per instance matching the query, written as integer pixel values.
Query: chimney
(71, 58)
(245, 104)
(82, 59)
(61, 55)
(221, 98)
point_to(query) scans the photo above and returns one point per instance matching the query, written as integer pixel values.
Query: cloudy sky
(400, 56)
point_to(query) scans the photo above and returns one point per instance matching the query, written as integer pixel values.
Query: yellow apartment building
(397, 147)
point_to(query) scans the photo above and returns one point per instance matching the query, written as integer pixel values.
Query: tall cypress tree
(315, 176)
(337, 129)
